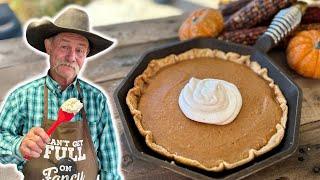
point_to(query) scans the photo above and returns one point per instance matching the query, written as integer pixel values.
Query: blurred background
(102, 12)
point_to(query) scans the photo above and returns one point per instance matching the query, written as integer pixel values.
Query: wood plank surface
(144, 31)
(18, 63)
(304, 164)
(134, 39)
(117, 63)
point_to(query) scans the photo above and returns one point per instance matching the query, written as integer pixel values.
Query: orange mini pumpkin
(202, 23)
(303, 53)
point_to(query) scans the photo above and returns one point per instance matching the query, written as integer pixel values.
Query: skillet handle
(282, 24)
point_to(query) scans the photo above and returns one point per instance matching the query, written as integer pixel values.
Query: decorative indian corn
(249, 36)
(233, 6)
(254, 12)
(312, 15)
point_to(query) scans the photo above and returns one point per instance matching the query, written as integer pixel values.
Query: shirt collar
(54, 86)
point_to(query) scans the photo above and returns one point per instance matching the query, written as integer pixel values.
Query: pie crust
(141, 82)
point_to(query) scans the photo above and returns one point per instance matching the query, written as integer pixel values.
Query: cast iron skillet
(280, 26)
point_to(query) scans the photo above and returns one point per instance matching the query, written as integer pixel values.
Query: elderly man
(80, 149)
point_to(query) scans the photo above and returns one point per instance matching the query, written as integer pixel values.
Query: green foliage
(26, 9)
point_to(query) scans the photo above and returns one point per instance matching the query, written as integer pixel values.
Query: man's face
(67, 54)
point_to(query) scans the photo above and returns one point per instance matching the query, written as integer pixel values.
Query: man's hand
(34, 142)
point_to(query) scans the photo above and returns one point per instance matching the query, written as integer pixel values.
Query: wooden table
(18, 63)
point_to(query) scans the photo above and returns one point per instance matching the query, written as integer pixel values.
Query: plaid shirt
(23, 110)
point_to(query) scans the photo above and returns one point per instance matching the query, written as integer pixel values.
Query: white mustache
(63, 63)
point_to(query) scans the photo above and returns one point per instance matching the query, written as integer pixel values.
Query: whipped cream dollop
(211, 101)
(72, 105)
